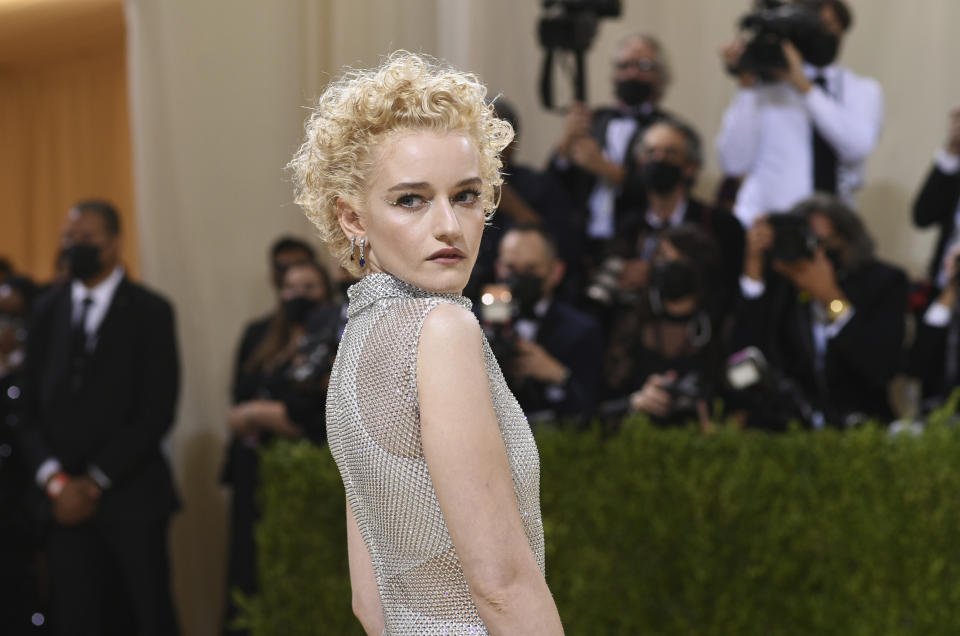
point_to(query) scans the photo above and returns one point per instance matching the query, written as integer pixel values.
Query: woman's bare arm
(363, 580)
(468, 464)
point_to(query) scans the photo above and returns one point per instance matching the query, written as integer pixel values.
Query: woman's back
(373, 421)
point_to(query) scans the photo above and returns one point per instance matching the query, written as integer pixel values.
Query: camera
(570, 25)
(793, 240)
(773, 22)
(685, 392)
(604, 288)
(497, 310)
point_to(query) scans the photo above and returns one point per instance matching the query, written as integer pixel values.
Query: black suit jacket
(725, 229)
(575, 339)
(937, 204)
(125, 405)
(860, 360)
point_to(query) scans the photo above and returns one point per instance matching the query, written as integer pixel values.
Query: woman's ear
(350, 221)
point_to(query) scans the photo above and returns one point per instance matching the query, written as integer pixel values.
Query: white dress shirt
(101, 297)
(603, 199)
(766, 137)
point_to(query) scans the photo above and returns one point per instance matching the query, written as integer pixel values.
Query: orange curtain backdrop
(64, 136)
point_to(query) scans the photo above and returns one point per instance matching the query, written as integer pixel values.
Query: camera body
(497, 310)
(793, 240)
(772, 23)
(570, 25)
(685, 392)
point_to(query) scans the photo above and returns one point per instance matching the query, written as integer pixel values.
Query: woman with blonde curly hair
(398, 172)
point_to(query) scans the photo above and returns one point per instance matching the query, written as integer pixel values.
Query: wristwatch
(837, 309)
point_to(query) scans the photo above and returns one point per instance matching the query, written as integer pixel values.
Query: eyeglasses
(636, 65)
(673, 154)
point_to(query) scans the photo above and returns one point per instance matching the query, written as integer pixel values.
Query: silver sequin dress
(373, 428)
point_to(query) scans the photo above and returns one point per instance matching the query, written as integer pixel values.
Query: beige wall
(217, 91)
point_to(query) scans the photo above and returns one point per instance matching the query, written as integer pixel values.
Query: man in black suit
(939, 200)
(831, 324)
(593, 156)
(556, 357)
(100, 388)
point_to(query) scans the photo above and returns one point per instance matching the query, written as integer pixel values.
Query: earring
(363, 261)
(353, 246)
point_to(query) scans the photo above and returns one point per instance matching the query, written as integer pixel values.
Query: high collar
(380, 285)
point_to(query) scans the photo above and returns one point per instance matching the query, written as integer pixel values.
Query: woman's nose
(446, 223)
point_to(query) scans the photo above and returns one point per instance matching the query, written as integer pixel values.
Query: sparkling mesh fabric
(373, 428)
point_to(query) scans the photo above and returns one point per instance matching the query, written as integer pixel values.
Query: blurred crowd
(603, 285)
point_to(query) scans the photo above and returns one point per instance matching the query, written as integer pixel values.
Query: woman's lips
(447, 257)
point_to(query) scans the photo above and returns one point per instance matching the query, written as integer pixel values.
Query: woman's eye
(467, 197)
(409, 201)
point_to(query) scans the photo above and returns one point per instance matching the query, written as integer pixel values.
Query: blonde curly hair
(407, 92)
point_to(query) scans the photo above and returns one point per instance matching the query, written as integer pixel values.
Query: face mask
(661, 176)
(675, 279)
(84, 261)
(298, 308)
(634, 92)
(823, 49)
(526, 290)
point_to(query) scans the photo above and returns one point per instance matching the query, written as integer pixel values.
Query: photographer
(824, 312)
(550, 352)
(669, 158)
(592, 157)
(802, 123)
(935, 356)
(662, 357)
(939, 201)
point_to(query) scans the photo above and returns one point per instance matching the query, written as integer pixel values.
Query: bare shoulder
(449, 328)
(450, 361)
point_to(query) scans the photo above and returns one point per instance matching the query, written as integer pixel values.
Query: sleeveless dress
(373, 429)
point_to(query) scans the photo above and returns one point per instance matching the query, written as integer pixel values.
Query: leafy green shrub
(674, 532)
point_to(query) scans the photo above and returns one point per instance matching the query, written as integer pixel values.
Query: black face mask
(823, 49)
(634, 92)
(84, 260)
(526, 290)
(298, 308)
(661, 176)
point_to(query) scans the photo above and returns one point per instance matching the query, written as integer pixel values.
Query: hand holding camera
(815, 276)
(731, 54)
(576, 124)
(533, 361)
(793, 74)
(654, 398)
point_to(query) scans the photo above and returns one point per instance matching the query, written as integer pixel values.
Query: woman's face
(303, 281)
(423, 218)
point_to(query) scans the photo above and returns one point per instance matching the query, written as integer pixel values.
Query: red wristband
(55, 484)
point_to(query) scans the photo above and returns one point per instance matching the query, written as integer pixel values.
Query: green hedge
(675, 532)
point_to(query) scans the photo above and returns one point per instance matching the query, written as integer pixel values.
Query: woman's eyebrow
(419, 185)
(423, 185)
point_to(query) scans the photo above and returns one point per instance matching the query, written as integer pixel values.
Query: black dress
(300, 382)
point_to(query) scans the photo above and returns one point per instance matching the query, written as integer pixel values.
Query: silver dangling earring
(353, 246)
(363, 261)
